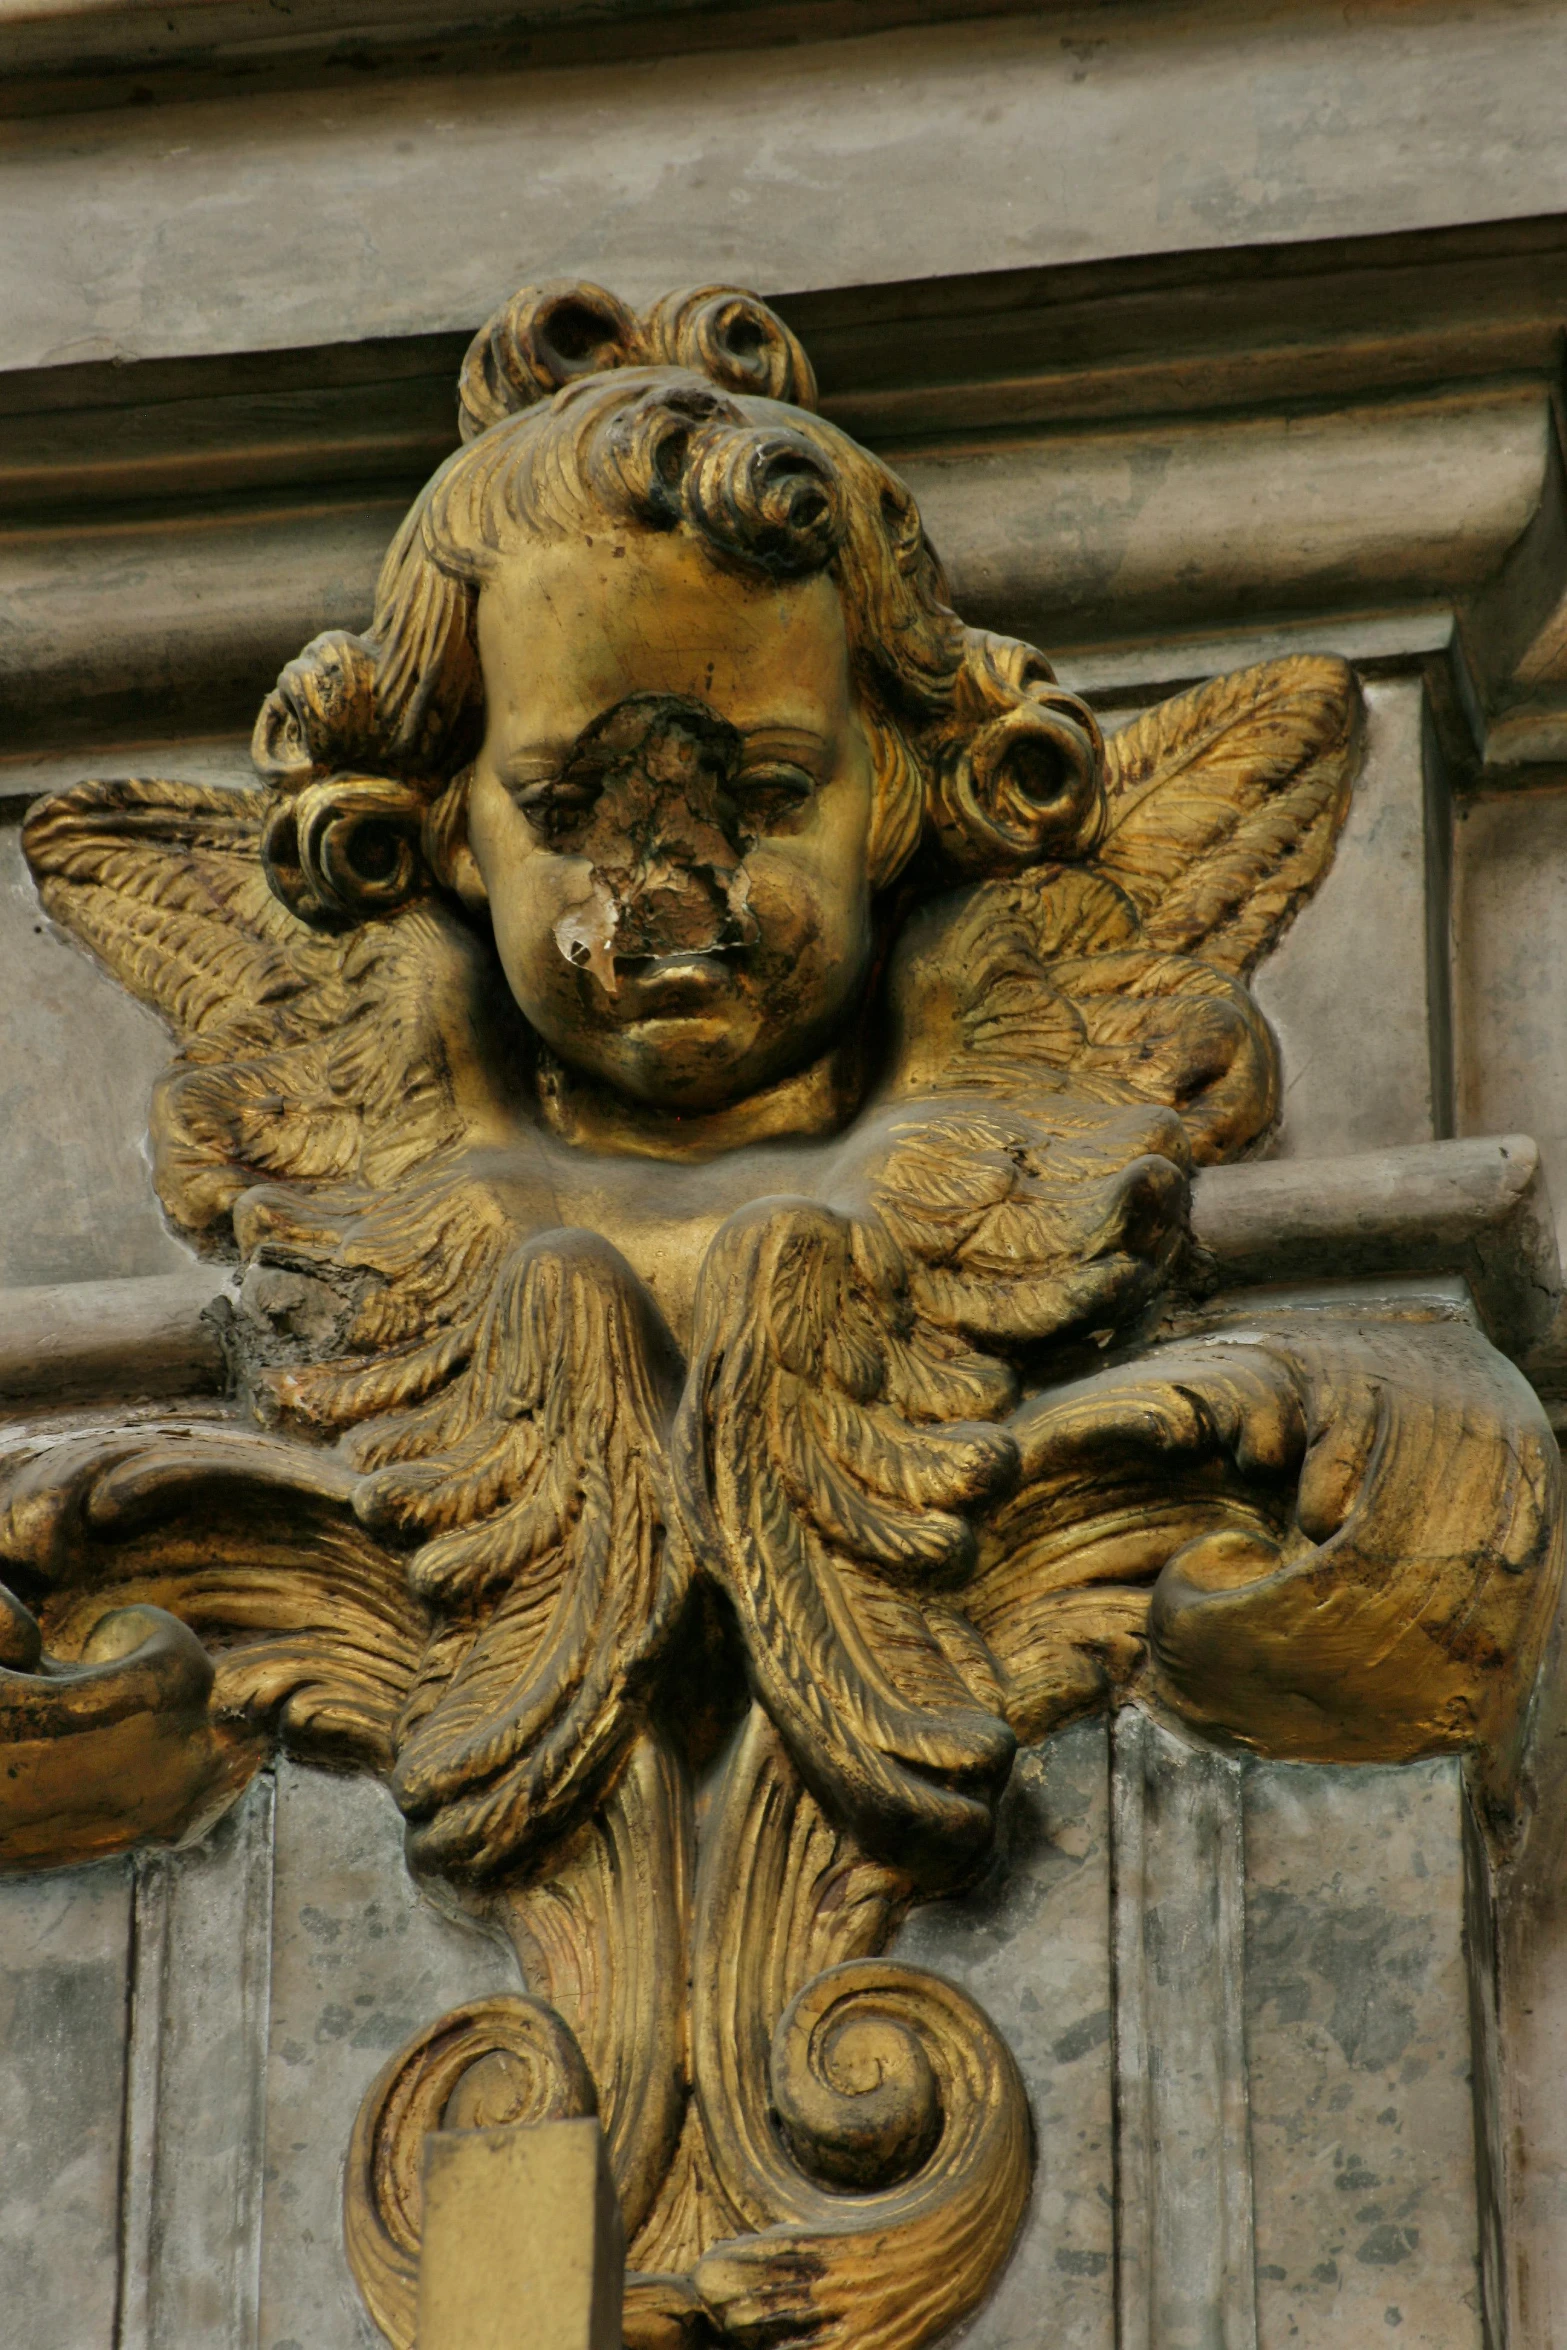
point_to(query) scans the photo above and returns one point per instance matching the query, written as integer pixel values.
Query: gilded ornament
(699, 1058)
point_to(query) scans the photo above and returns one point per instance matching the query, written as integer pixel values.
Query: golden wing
(313, 1117)
(315, 1113)
(837, 1438)
(303, 1056)
(1123, 977)
(1224, 805)
(535, 1488)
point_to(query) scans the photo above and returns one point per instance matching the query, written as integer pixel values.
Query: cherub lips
(669, 986)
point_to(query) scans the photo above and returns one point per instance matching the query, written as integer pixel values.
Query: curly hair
(697, 415)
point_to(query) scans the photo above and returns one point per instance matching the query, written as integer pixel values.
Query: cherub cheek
(787, 914)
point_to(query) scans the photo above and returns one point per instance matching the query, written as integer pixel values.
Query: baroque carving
(699, 1057)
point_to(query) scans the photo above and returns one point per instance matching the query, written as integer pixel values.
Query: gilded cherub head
(663, 673)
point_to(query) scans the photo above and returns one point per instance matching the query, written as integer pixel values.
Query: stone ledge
(68, 56)
(73, 1341)
(1477, 1209)
(1105, 452)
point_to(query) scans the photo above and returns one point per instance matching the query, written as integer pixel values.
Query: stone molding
(68, 55)
(1108, 455)
(1474, 1211)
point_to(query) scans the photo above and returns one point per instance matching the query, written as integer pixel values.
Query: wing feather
(534, 1487)
(1123, 979)
(163, 882)
(305, 1057)
(837, 1439)
(1224, 805)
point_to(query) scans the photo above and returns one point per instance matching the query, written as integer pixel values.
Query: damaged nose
(681, 911)
(676, 909)
(664, 875)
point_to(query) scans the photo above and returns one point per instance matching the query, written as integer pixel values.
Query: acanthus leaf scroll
(700, 1059)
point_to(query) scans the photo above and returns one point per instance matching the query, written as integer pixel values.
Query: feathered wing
(312, 1114)
(321, 1095)
(839, 1434)
(315, 1072)
(1224, 806)
(302, 1056)
(1066, 1042)
(1124, 977)
(536, 1488)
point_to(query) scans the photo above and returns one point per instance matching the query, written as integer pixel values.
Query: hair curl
(698, 414)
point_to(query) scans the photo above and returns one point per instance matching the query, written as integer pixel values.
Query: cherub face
(671, 813)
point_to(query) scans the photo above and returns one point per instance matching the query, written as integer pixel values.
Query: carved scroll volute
(115, 1746)
(603, 1938)
(876, 2133)
(493, 2061)
(1320, 1645)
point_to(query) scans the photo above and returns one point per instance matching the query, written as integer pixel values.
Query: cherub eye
(772, 794)
(555, 805)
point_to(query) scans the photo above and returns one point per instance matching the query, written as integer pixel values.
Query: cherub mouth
(650, 966)
(685, 981)
(683, 925)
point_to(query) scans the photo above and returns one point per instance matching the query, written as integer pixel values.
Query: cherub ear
(468, 881)
(445, 844)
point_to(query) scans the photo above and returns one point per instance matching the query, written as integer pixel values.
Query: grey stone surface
(1167, 665)
(112, 630)
(1357, 2021)
(1183, 2155)
(272, 1971)
(78, 1061)
(1075, 539)
(1032, 1945)
(360, 1962)
(1333, 1996)
(88, 1340)
(67, 34)
(1510, 947)
(194, 2140)
(1478, 1208)
(1077, 536)
(1289, 2016)
(1349, 992)
(311, 216)
(218, 758)
(64, 1949)
(1532, 1950)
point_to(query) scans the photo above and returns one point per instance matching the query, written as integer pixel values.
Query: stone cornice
(1192, 444)
(70, 56)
